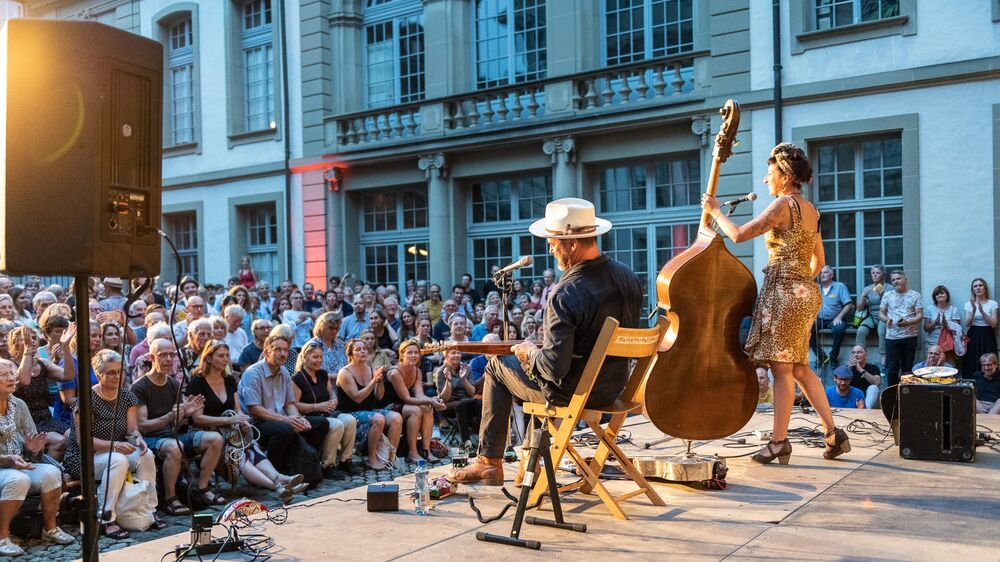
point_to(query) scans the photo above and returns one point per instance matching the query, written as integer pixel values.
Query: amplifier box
(937, 421)
(383, 497)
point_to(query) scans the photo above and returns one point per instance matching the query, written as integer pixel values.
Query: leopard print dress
(789, 299)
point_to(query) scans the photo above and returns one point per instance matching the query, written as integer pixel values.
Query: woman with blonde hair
(405, 394)
(213, 380)
(315, 394)
(360, 387)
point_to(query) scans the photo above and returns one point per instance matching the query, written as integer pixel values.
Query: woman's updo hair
(792, 162)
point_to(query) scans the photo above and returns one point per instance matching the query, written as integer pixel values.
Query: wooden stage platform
(870, 504)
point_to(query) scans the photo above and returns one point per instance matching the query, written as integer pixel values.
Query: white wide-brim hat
(570, 218)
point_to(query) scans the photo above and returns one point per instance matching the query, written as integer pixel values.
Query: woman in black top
(385, 336)
(314, 394)
(222, 412)
(405, 394)
(359, 390)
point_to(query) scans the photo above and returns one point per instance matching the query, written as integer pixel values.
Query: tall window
(262, 240)
(641, 29)
(837, 13)
(510, 41)
(258, 65)
(655, 209)
(858, 190)
(501, 211)
(183, 229)
(394, 52)
(180, 63)
(394, 237)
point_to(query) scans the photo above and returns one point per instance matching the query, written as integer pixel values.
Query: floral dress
(789, 299)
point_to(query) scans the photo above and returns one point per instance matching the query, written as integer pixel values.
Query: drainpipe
(287, 133)
(776, 25)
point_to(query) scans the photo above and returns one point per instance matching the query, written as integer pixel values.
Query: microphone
(745, 199)
(523, 262)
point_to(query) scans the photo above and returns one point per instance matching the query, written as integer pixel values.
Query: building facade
(434, 131)
(229, 127)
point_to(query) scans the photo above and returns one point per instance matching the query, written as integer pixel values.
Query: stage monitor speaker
(938, 421)
(81, 146)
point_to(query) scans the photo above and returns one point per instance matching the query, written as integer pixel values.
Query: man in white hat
(113, 298)
(593, 287)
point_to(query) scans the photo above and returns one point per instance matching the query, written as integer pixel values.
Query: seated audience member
(451, 380)
(218, 327)
(842, 394)
(325, 332)
(266, 390)
(765, 386)
(935, 358)
(407, 325)
(353, 325)
(359, 390)
(153, 332)
(67, 389)
(836, 307)
(21, 472)
(195, 308)
(390, 308)
(136, 319)
(529, 329)
(491, 317)
(161, 418)
(404, 393)
(987, 385)
(34, 374)
(198, 334)
(442, 329)
(221, 411)
(429, 361)
(5, 328)
(286, 333)
(377, 357)
(478, 364)
(384, 334)
(129, 454)
(299, 319)
(236, 338)
(314, 394)
(260, 328)
(864, 376)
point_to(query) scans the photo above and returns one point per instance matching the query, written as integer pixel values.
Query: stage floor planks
(870, 504)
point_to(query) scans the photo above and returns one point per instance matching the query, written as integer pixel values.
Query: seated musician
(593, 287)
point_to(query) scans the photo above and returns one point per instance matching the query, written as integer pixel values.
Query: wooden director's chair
(561, 421)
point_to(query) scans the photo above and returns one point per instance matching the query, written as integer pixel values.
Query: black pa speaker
(937, 421)
(80, 143)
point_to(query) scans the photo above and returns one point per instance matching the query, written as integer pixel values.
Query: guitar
(477, 347)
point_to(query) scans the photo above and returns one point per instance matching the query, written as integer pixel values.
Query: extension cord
(762, 435)
(210, 548)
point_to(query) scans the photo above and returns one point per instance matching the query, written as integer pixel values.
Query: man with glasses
(987, 385)
(161, 420)
(433, 302)
(251, 352)
(196, 309)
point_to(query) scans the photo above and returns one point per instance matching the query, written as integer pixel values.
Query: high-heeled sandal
(768, 454)
(841, 444)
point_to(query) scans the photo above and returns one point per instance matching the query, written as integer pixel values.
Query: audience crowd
(282, 386)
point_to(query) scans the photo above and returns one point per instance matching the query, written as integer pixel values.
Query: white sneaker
(57, 536)
(8, 548)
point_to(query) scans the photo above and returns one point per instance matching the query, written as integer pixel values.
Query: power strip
(214, 547)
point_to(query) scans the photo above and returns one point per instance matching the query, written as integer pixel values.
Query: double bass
(703, 385)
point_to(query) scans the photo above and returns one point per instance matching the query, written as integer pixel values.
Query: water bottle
(423, 492)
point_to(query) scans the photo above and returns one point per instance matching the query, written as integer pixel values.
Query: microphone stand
(505, 283)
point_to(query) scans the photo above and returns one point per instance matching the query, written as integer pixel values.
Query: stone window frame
(162, 22)
(167, 259)
(236, 75)
(907, 125)
(238, 226)
(804, 36)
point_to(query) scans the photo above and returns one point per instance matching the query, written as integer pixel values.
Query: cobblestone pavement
(36, 551)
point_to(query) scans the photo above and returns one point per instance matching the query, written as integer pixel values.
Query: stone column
(562, 151)
(439, 216)
(346, 46)
(448, 48)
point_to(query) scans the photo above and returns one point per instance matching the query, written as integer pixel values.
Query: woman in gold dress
(789, 298)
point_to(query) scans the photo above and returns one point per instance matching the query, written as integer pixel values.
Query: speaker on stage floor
(81, 145)
(938, 421)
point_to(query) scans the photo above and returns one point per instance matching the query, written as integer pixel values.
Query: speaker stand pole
(89, 515)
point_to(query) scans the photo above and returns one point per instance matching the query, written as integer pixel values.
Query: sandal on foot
(210, 497)
(173, 506)
(369, 466)
(113, 530)
(158, 524)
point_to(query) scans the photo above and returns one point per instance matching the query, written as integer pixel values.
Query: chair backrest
(614, 341)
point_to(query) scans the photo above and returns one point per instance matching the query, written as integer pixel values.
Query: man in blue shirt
(842, 394)
(837, 304)
(353, 325)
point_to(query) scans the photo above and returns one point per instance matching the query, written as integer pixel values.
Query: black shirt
(987, 390)
(213, 406)
(857, 376)
(158, 399)
(579, 303)
(312, 392)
